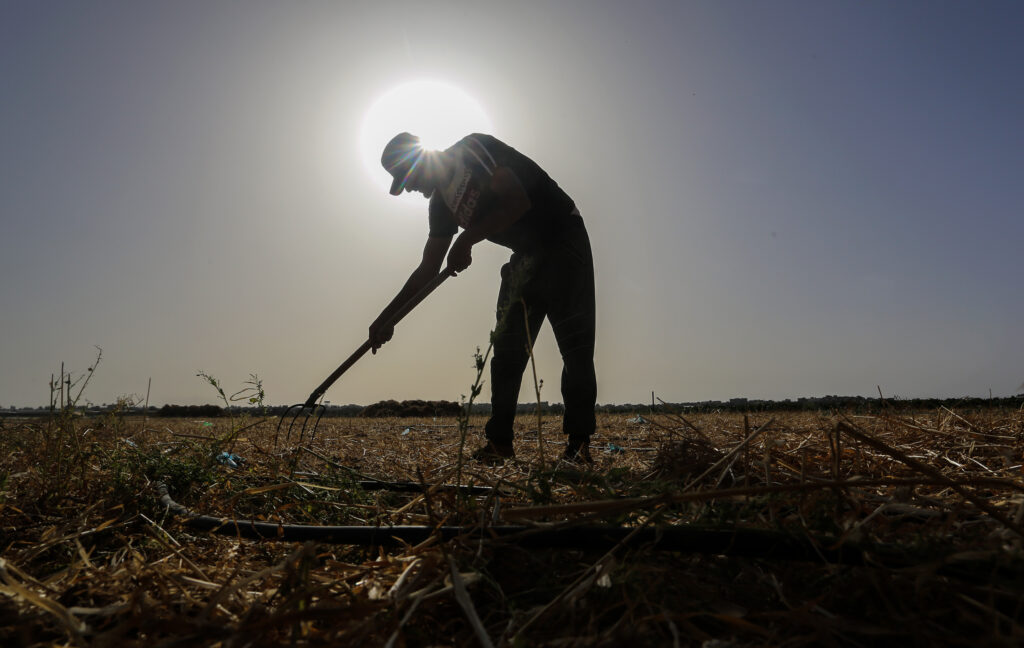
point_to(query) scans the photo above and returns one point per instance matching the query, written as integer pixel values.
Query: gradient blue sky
(785, 198)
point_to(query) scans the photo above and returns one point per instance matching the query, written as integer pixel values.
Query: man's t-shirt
(467, 196)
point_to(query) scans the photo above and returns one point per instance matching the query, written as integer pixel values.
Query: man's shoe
(578, 453)
(494, 453)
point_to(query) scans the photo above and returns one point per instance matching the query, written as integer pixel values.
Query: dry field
(717, 530)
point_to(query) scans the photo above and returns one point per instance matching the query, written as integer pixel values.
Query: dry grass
(933, 501)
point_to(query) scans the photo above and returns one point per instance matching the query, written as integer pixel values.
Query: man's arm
(430, 265)
(509, 204)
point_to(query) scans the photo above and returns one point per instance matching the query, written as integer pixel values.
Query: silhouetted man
(491, 191)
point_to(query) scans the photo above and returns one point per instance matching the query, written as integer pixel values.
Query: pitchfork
(312, 409)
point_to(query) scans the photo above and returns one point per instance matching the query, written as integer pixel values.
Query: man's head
(401, 158)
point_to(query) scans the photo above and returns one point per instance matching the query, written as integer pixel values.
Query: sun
(438, 112)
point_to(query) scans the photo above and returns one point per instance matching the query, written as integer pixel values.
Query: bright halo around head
(438, 113)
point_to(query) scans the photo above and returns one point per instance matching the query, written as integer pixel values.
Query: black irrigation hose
(749, 543)
(742, 542)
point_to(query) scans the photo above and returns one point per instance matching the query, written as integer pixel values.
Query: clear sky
(784, 198)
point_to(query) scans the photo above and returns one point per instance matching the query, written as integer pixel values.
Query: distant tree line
(191, 411)
(385, 408)
(424, 408)
(421, 408)
(412, 408)
(855, 404)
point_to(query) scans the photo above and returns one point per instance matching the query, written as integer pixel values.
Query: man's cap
(400, 157)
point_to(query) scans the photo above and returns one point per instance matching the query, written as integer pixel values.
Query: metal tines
(299, 418)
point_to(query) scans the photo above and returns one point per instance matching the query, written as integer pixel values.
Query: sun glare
(439, 113)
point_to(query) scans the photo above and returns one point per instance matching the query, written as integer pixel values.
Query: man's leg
(510, 353)
(572, 316)
(579, 391)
